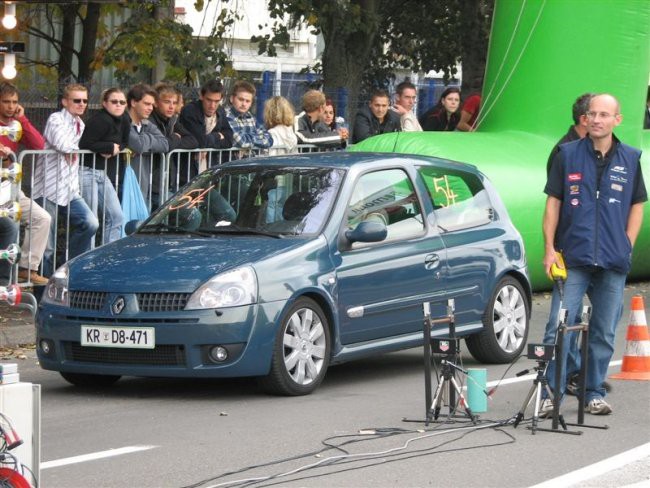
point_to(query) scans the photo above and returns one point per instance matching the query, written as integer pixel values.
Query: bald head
(608, 99)
(603, 116)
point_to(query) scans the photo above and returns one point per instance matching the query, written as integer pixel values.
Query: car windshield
(264, 200)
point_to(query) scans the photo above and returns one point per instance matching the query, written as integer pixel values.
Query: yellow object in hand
(557, 272)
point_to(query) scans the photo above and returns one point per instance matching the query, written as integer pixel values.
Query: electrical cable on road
(344, 458)
(400, 456)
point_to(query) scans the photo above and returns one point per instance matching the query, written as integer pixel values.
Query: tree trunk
(161, 12)
(88, 42)
(475, 20)
(68, 20)
(346, 54)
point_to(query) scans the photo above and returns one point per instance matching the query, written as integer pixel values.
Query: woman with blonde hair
(278, 119)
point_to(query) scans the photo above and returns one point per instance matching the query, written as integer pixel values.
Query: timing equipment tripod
(543, 354)
(451, 348)
(447, 374)
(540, 384)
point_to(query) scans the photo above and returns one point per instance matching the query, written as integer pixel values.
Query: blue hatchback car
(278, 267)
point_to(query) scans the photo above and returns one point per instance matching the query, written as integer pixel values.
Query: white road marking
(597, 469)
(94, 455)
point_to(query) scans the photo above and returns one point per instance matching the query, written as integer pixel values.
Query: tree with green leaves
(147, 44)
(366, 40)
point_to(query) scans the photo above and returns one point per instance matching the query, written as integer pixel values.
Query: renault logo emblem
(118, 306)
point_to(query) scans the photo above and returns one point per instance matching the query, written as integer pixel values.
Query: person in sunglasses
(106, 133)
(56, 178)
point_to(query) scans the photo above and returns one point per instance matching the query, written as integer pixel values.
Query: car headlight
(230, 289)
(56, 291)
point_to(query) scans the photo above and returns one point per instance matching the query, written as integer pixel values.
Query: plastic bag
(133, 204)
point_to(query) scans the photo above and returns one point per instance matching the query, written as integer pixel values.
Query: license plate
(131, 337)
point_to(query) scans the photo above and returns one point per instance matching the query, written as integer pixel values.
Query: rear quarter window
(460, 200)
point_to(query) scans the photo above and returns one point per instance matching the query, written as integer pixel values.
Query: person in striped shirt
(56, 178)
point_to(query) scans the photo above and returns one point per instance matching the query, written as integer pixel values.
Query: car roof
(346, 160)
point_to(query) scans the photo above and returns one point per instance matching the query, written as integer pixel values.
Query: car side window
(460, 200)
(386, 196)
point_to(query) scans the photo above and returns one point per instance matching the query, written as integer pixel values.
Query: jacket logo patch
(614, 200)
(575, 176)
(574, 190)
(619, 169)
(617, 187)
(620, 179)
(575, 202)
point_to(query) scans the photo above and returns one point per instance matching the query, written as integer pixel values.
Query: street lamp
(9, 69)
(9, 20)
(9, 50)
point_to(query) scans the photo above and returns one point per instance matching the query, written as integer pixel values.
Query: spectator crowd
(137, 128)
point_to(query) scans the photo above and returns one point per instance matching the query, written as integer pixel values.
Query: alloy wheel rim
(304, 346)
(509, 318)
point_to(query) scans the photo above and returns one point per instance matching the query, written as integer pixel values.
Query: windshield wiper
(161, 226)
(235, 229)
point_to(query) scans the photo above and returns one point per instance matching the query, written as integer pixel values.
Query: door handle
(431, 261)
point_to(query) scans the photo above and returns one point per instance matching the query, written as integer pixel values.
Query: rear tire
(301, 352)
(89, 380)
(506, 322)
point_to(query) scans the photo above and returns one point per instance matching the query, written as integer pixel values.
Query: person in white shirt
(56, 178)
(278, 119)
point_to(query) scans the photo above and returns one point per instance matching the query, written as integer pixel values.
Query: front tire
(89, 380)
(506, 322)
(301, 351)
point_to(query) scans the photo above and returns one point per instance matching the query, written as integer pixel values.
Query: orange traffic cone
(636, 360)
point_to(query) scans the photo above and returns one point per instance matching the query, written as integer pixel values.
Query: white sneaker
(598, 406)
(546, 408)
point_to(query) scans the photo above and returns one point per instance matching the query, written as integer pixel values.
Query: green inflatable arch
(542, 55)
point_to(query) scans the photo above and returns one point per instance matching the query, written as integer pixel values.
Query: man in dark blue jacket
(593, 215)
(376, 118)
(206, 120)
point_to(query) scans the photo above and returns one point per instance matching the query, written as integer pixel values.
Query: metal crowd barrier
(159, 175)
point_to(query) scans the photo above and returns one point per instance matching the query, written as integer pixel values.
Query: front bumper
(183, 340)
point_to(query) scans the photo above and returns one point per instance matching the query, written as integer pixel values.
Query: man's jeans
(605, 291)
(81, 230)
(100, 195)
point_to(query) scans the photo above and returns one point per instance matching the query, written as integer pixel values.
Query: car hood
(168, 263)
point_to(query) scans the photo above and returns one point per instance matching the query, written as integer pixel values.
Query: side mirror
(131, 226)
(367, 232)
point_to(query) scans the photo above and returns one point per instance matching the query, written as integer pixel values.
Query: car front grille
(162, 355)
(147, 302)
(162, 302)
(87, 300)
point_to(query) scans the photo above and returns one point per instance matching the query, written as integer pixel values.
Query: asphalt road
(182, 432)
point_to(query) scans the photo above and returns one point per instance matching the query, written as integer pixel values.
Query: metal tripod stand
(450, 347)
(540, 384)
(447, 374)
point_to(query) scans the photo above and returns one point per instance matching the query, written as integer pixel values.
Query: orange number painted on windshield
(189, 200)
